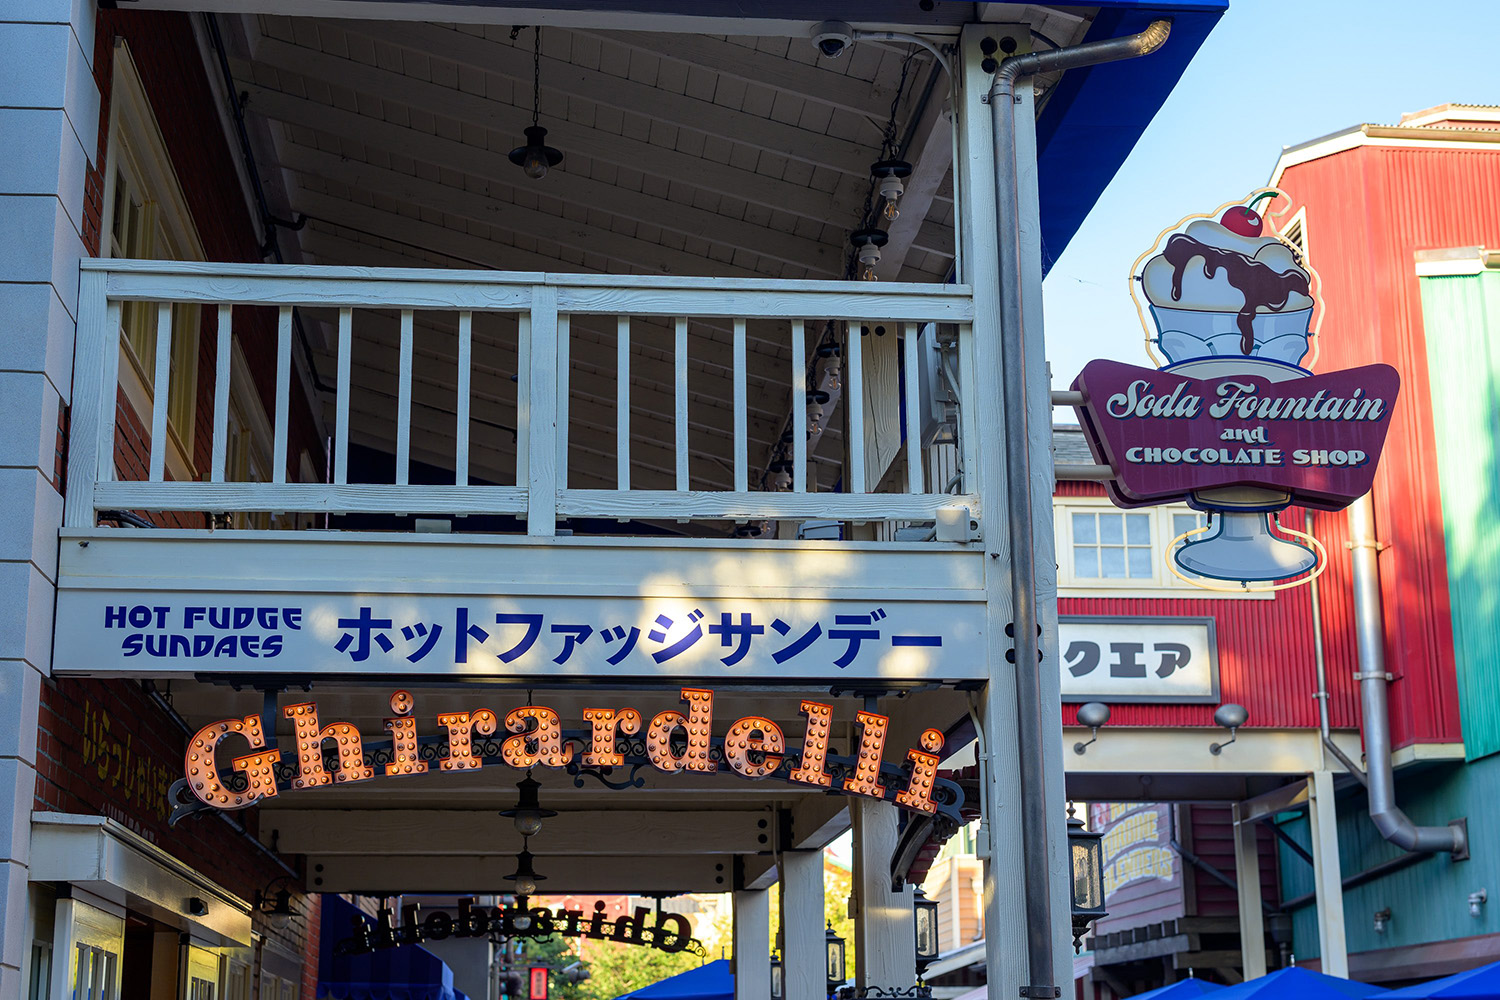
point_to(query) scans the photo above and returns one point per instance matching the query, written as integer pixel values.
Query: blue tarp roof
(714, 981)
(1094, 117)
(409, 972)
(1297, 984)
(1481, 982)
(1181, 990)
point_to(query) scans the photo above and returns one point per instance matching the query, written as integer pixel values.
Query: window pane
(1084, 532)
(1111, 529)
(1185, 522)
(1112, 563)
(1085, 562)
(1138, 529)
(1140, 562)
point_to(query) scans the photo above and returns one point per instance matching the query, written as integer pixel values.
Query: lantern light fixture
(925, 919)
(1086, 853)
(778, 977)
(536, 157)
(867, 243)
(527, 814)
(888, 175)
(834, 946)
(1382, 920)
(525, 876)
(1231, 717)
(276, 907)
(1093, 714)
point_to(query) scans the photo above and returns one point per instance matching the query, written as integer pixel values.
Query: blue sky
(1273, 73)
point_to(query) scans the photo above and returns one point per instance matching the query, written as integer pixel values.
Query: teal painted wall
(1429, 900)
(1461, 317)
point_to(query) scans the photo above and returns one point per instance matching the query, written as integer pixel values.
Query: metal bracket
(1041, 992)
(1377, 546)
(1371, 677)
(918, 992)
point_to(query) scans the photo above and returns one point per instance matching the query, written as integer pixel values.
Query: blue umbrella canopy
(1297, 984)
(1181, 990)
(1481, 982)
(714, 981)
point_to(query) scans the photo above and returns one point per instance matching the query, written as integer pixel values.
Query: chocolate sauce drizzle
(1261, 284)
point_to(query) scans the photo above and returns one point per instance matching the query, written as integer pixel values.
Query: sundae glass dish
(1228, 300)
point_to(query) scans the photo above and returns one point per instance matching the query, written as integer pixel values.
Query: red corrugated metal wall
(1266, 660)
(1369, 210)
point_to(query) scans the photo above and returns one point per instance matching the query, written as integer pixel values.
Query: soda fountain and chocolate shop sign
(1230, 421)
(231, 764)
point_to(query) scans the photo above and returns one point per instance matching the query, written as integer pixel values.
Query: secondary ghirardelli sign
(1230, 421)
(231, 764)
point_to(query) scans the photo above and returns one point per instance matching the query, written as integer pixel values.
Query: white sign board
(164, 632)
(1140, 659)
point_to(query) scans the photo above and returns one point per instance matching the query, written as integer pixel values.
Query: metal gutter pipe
(1036, 862)
(1322, 666)
(1369, 630)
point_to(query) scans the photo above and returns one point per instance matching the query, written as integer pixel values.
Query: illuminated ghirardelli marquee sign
(1231, 422)
(230, 764)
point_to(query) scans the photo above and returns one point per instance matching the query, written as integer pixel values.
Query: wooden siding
(1429, 900)
(1463, 313)
(1368, 210)
(1266, 659)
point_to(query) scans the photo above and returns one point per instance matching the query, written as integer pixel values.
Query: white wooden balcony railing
(542, 307)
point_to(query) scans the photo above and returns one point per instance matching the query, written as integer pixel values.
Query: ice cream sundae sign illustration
(1232, 420)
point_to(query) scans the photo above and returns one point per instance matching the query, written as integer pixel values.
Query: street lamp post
(1086, 851)
(835, 959)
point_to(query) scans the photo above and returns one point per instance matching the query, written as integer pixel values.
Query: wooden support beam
(734, 59)
(678, 216)
(597, 87)
(507, 120)
(386, 874)
(437, 832)
(626, 251)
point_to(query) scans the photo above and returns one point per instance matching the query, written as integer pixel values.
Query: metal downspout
(1036, 862)
(1322, 666)
(1369, 626)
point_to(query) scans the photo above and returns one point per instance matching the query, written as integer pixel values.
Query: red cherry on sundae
(1243, 220)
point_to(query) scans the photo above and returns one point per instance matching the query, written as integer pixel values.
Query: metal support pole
(1247, 887)
(1030, 705)
(1327, 878)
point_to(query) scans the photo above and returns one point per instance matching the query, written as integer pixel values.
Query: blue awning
(1094, 117)
(1481, 982)
(714, 981)
(408, 972)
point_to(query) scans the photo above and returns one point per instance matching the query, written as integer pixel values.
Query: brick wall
(104, 747)
(167, 58)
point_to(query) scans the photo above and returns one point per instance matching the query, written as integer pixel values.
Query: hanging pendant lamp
(536, 157)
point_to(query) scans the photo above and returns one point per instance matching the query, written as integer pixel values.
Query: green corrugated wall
(1429, 900)
(1461, 318)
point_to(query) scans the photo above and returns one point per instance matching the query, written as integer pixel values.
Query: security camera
(832, 38)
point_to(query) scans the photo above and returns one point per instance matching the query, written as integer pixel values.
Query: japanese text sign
(1138, 659)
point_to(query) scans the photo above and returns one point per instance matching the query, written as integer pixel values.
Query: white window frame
(1162, 581)
(136, 146)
